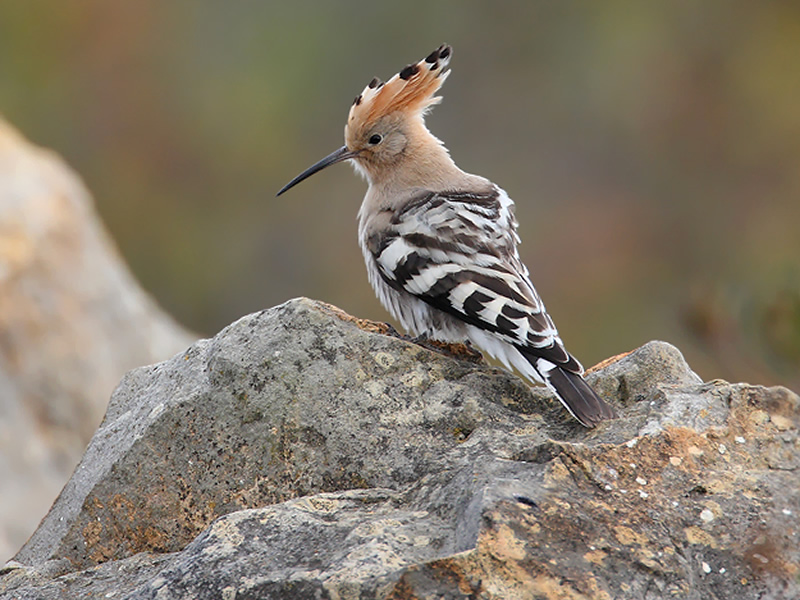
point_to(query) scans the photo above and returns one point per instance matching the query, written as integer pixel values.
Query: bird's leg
(462, 350)
(390, 330)
(422, 340)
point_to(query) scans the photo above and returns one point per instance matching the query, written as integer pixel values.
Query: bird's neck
(425, 162)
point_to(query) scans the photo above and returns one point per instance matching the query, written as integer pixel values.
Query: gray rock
(302, 453)
(284, 403)
(72, 322)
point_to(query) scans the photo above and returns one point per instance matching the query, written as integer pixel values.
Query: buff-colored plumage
(440, 244)
(411, 91)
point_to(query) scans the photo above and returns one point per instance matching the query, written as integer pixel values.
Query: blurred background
(652, 150)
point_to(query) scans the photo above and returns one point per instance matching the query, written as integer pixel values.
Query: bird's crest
(411, 90)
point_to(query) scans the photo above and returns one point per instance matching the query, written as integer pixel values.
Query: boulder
(72, 322)
(302, 453)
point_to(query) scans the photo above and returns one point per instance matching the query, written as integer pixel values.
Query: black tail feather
(580, 399)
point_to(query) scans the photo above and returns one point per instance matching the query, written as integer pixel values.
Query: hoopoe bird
(441, 245)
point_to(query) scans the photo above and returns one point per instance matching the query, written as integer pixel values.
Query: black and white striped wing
(457, 251)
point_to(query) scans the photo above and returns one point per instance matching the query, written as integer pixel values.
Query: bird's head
(386, 121)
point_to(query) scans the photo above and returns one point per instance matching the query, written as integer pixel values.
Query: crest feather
(411, 90)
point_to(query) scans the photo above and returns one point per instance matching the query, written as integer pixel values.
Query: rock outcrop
(302, 453)
(72, 322)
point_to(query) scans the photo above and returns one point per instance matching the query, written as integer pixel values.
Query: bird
(440, 244)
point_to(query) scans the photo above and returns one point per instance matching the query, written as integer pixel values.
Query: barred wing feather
(457, 251)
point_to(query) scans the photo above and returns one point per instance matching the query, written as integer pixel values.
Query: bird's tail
(575, 394)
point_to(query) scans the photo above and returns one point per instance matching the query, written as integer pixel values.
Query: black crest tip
(409, 72)
(433, 56)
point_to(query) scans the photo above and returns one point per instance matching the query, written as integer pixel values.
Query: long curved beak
(334, 157)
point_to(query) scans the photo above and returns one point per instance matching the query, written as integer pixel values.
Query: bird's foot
(460, 350)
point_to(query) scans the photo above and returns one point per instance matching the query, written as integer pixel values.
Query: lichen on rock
(304, 453)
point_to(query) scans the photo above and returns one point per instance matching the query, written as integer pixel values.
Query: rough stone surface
(302, 453)
(72, 322)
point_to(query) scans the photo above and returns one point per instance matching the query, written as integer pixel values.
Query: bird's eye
(376, 138)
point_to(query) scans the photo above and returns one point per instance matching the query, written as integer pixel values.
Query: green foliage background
(652, 150)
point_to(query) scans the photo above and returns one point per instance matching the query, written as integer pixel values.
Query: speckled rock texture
(72, 322)
(305, 454)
